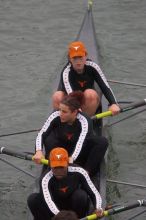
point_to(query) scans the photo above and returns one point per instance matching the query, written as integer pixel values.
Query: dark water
(33, 37)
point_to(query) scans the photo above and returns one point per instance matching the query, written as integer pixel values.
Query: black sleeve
(104, 86)
(61, 86)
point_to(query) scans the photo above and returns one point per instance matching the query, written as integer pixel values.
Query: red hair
(74, 100)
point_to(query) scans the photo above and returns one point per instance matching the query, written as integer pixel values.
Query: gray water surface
(34, 35)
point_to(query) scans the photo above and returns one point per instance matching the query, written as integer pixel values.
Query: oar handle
(43, 161)
(89, 217)
(124, 109)
(94, 216)
(102, 115)
(20, 155)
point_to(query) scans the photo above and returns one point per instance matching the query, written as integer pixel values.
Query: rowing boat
(88, 37)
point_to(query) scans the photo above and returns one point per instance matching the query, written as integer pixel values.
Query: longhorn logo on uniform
(69, 136)
(82, 83)
(64, 189)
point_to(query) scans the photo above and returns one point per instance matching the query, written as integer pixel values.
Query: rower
(64, 186)
(71, 128)
(80, 74)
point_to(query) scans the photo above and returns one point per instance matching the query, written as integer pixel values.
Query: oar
(97, 116)
(117, 210)
(125, 118)
(127, 83)
(20, 155)
(17, 133)
(124, 109)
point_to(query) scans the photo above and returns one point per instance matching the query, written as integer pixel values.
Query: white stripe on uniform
(47, 195)
(66, 79)
(44, 128)
(90, 184)
(84, 130)
(97, 68)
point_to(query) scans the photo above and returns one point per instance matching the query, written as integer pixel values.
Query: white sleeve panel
(66, 79)
(99, 71)
(47, 196)
(84, 130)
(44, 128)
(89, 182)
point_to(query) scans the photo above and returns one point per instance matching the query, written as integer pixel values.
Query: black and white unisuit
(86, 149)
(72, 81)
(72, 137)
(56, 192)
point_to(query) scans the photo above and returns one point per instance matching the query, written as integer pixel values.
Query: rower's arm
(46, 129)
(82, 136)
(103, 84)
(91, 190)
(45, 190)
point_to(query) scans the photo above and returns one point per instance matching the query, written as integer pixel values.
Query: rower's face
(66, 115)
(78, 63)
(59, 172)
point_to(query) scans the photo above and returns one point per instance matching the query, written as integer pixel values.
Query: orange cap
(76, 49)
(58, 157)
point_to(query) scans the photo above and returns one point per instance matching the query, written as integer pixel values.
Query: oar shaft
(127, 83)
(20, 155)
(133, 106)
(117, 210)
(124, 208)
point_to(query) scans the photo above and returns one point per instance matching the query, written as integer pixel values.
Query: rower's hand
(38, 156)
(99, 212)
(115, 109)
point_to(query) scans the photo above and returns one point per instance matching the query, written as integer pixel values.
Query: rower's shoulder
(83, 115)
(90, 62)
(75, 168)
(92, 65)
(66, 66)
(54, 114)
